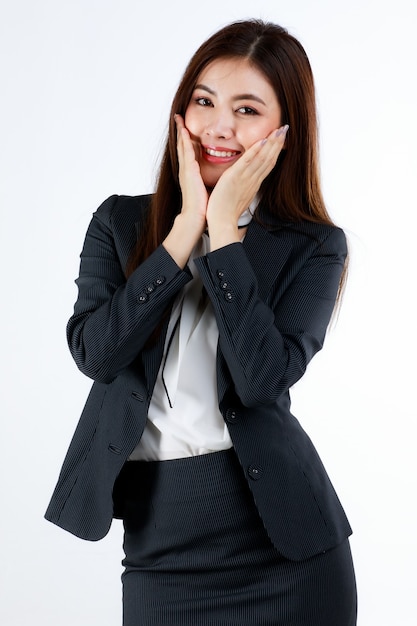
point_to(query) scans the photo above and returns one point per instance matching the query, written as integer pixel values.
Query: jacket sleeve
(113, 317)
(267, 348)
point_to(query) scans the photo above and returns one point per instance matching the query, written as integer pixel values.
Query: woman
(198, 309)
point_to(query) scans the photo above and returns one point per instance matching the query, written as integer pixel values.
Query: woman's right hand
(191, 222)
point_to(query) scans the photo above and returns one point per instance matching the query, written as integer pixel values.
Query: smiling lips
(219, 155)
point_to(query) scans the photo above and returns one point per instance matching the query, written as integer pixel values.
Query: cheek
(261, 131)
(190, 121)
(252, 135)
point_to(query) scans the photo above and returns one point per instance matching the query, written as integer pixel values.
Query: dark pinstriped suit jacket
(273, 297)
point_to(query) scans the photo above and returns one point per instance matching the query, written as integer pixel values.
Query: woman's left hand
(238, 185)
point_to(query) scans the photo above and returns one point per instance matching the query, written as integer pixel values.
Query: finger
(282, 132)
(185, 149)
(179, 122)
(260, 158)
(181, 135)
(271, 144)
(188, 144)
(274, 143)
(180, 149)
(189, 148)
(277, 141)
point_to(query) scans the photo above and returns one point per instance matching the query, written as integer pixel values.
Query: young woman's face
(232, 106)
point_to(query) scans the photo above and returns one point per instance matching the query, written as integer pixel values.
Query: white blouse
(184, 418)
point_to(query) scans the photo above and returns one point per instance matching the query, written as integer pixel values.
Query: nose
(220, 125)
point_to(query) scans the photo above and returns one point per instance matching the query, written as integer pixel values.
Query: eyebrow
(241, 96)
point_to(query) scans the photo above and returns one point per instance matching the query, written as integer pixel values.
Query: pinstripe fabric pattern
(197, 553)
(273, 297)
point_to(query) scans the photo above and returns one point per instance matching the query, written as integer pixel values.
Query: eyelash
(249, 110)
(200, 100)
(207, 102)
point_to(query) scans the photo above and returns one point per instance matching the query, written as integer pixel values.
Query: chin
(210, 183)
(210, 178)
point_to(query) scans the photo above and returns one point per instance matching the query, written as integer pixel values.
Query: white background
(86, 87)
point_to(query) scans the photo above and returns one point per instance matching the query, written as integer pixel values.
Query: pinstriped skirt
(197, 554)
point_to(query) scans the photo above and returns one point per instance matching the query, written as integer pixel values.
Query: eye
(204, 102)
(247, 111)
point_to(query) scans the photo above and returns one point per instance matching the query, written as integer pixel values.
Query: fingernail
(282, 131)
(263, 142)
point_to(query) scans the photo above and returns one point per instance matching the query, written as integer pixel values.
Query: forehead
(235, 73)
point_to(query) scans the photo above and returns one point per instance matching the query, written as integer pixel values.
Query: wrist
(182, 238)
(223, 234)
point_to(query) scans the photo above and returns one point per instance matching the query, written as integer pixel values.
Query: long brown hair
(292, 190)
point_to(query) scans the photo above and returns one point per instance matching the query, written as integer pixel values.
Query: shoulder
(117, 222)
(303, 233)
(326, 236)
(119, 209)
(324, 239)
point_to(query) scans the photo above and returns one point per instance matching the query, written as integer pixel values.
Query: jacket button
(150, 288)
(142, 297)
(228, 296)
(160, 280)
(231, 416)
(224, 284)
(220, 273)
(254, 472)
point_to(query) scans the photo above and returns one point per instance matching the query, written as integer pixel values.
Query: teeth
(218, 153)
